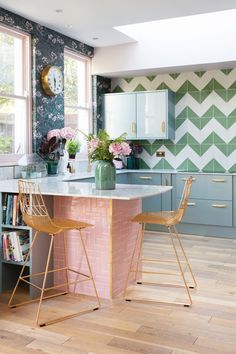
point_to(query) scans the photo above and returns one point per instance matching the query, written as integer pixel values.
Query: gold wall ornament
(52, 80)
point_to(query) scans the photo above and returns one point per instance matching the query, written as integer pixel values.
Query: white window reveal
(15, 112)
(77, 91)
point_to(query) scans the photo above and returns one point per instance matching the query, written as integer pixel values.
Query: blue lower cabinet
(217, 187)
(158, 202)
(122, 178)
(208, 212)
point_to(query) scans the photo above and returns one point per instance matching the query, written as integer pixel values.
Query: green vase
(52, 167)
(105, 175)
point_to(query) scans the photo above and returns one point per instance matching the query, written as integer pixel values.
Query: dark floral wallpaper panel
(47, 48)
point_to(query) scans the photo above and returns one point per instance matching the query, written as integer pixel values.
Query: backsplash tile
(205, 113)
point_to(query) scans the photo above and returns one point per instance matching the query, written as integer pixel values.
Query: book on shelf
(11, 210)
(15, 245)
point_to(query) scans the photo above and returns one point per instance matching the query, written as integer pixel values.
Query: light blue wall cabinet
(210, 201)
(120, 114)
(142, 115)
(155, 115)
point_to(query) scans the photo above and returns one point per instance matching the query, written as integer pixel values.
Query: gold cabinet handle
(166, 183)
(218, 180)
(219, 205)
(191, 204)
(163, 127)
(185, 179)
(133, 127)
(145, 177)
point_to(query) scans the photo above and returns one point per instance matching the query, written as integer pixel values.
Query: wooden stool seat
(166, 218)
(54, 226)
(36, 216)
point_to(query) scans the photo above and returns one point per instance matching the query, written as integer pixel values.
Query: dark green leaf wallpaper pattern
(47, 48)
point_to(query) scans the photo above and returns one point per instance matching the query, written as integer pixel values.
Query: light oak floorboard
(119, 327)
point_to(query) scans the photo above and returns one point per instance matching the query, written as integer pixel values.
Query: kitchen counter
(61, 186)
(111, 239)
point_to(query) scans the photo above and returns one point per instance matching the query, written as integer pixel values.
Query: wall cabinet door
(152, 114)
(142, 115)
(120, 114)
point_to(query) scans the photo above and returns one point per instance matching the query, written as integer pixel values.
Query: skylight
(214, 22)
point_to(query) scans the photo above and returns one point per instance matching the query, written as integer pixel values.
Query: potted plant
(52, 147)
(104, 150)
(72, 146)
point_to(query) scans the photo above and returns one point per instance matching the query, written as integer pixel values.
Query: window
(77, 92)
(15, 127)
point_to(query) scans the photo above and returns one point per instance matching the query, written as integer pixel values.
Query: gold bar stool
(169, 219)
(36, 216)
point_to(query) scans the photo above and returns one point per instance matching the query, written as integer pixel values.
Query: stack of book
(15, 245)
(11, 210)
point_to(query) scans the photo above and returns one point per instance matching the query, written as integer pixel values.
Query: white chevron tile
(199, 82)
(201, 108)
(200, 135)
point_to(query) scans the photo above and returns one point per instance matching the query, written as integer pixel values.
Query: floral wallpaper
(100, 85)
(47, 48)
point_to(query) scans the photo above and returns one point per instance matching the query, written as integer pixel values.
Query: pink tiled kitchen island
(109, 241)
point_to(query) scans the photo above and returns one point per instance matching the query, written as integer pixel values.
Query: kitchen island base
(109, 243)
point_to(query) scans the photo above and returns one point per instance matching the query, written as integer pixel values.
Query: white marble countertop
(57, 186)
(81, 175)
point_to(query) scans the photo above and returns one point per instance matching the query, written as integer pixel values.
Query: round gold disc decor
(52, 80)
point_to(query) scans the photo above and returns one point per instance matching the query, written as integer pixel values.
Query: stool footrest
(157, 301)
(68, 316)
(146, 272)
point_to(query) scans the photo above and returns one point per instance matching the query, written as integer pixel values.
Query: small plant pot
(52, 167)
(72, 156)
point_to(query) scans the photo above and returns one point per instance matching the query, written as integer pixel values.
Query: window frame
(88, 85)
(11, 159)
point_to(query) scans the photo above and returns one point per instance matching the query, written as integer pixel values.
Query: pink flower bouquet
(101, 147)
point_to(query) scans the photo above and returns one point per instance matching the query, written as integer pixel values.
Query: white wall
(180, 42)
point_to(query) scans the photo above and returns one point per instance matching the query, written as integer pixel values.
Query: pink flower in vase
(115, 149)
(67, 133)
(126, 150)
(93, 145)
(52, 133)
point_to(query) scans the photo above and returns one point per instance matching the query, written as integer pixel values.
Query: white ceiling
(96, 18)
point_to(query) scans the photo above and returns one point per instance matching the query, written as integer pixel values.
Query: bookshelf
(10, 269)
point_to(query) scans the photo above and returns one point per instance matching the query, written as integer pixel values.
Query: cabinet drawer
(122, 178)
(207, 187)
(208, 212)
(146, 178)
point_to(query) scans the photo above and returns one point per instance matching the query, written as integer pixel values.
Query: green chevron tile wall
(205, 113)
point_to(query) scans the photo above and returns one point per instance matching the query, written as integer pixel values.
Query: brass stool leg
(140, 251)
(132, 259)
(44, 281)
(180, 267)
(185, 256)
(22, 271)
(66, 260)
(90, 270)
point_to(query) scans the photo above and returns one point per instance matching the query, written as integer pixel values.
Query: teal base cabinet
(156, 203)
(211, 206)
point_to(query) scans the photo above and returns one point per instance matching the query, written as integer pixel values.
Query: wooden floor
(208, 327)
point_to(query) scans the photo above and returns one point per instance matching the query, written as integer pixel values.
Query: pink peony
(115, 149)
(67, 133)
(52, 133)
(126, 150)
(93, 144)
(119, 149)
